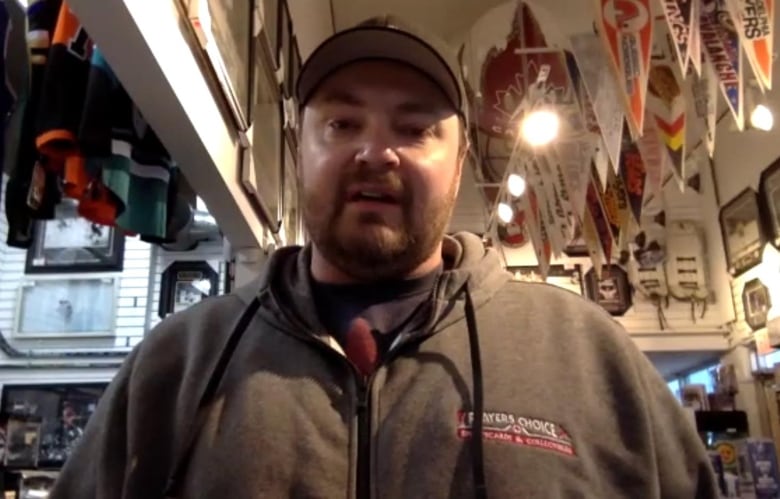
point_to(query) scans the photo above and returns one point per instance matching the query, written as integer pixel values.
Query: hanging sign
(626, 28)
(754, 20)
(679, 19)
(632, 171)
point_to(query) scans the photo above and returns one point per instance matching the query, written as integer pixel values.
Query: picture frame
(756, 303)
(81, 305)
(62, 411)
(769, 202)
(23, 437)
(72, 244)
(285, 48)
(185, 283)
(270, 27)
(742, 232)
(612, 291)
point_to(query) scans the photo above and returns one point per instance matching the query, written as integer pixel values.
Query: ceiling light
(515, 184)
(540, 127)
(761, 118)
(505, 213)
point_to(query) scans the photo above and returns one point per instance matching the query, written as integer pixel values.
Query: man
(384, 359)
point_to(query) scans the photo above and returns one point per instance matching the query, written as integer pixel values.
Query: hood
(285, 277)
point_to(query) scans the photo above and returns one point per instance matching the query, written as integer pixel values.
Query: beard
(367, 246)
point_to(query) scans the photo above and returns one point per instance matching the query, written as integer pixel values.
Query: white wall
(137, 310)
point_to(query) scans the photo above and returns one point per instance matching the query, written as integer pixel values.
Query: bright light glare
(515, 184)
(505, 213)
(761, 118)
(769, 274)
(540, 127)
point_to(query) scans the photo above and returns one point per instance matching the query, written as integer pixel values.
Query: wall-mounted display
(23, 436)
(186, 283)
(743, 235)
(56, 414)
(769, 201)
(612, 291)
(756, 303)
(36, 484)
(75, 245)
(57, 307)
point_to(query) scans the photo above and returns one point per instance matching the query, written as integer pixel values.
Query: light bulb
(761, 118)
(515, 184)
(540, 127)
(505, 213)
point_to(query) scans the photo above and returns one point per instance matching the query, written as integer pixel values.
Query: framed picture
(756, 303)
(75, 245)
(612, 292)
(743, 235)
(78, 306)
(23, 437)
(769, 202)
(186, 283)
(35, 484)
(285, 47)
(62, 411)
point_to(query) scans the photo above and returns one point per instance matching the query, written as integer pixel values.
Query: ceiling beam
(146, 43)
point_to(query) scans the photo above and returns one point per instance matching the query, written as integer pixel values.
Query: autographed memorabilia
(184, 284)
(612, 292)
(743, 235)
(756, 304)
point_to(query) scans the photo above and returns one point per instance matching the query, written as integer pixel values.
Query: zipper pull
(362, 394)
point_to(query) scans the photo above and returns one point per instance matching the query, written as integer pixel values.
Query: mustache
(385, 180)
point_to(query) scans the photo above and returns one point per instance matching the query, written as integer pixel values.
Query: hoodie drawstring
(477, 458)
(175, 480)
(477, 461)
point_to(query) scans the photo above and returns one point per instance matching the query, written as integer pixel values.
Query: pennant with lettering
(721, 44)
(550, 204)
(600, 89)
(694, 44)
(705, 98)
(592, 243)
(626, 29)
(679, 19)
(666, 101)
(754, 20)
(632, 171)
(654, 157)
(537, 230)
(595, 209)
(615, 203)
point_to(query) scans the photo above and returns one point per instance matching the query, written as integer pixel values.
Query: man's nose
(377, 149)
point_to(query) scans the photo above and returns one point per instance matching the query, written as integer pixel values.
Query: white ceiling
(671, 364)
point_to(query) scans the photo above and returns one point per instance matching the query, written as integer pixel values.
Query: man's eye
(342, 125)
(415, 131)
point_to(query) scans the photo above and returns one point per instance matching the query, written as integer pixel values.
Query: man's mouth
(372, 196)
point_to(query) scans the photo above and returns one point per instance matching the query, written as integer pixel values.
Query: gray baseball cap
(384, 37)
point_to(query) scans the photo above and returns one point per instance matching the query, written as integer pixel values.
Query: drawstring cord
(175, 480)
(477, 458)
(477, 462)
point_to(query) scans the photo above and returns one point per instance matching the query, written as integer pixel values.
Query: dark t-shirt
(390, 307)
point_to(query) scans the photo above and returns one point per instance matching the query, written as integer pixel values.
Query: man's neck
(324, 271)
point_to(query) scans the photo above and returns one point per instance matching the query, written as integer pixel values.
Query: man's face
(380, 168)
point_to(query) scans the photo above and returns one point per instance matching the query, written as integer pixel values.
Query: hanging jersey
(64, 87)
(41, 19)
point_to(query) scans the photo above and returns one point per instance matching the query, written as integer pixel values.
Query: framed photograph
(756, 303)
(35, 484)
(77, 306)
(612, 292)
(186, 283)
(285, 47)
(75, 245)
(23, 437)
(743, 234)
(262, 161)
(62, 411)
(769, 202)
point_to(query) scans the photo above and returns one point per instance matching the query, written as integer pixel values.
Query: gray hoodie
(570, 407)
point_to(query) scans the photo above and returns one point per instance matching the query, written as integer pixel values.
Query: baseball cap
(384, 37)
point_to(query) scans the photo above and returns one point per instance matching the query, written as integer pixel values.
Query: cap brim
(366, 43)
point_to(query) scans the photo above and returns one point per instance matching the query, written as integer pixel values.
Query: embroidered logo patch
(518, 430)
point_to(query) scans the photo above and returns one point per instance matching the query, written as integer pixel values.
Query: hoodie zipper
(363, 481)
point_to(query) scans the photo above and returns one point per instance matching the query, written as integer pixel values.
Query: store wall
(137, 308)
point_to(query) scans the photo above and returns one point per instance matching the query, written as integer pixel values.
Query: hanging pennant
(705, 97)
(679, 20)
(595, 209)
(600, 88)
(626, 28)
(754, 22)
(552, 213)
(615, 203)
(721, 44)
(654, 157)
(666, 101)
(536, 228)
(632, 171)
(694, 46)
(570, 156)
(590, 235)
